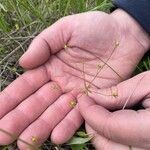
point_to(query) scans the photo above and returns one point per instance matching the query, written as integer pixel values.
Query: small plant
(20, 21)
(87, 86)
(76, 142)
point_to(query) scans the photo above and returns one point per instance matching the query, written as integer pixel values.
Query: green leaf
(79, 140)
(78, 147)
(82, 134)
(3, 8)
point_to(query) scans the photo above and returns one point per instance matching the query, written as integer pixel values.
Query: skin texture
(37, 104)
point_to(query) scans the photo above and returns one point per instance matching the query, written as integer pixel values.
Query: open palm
(78, 52)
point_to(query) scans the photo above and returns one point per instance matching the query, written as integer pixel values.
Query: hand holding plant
(122, 129)
(83, 52)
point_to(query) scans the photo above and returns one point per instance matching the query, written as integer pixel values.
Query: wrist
(130, 26)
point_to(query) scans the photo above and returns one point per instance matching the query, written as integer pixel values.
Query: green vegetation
(20, 22)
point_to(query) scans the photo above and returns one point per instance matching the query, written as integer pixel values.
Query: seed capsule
(56, 87)
(114, 94)
(72, 103)
(116, 44)
(99, 66)
(34, 139)
(65, 46)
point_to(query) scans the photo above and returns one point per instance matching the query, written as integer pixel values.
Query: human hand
(124, 129)
(37, 104)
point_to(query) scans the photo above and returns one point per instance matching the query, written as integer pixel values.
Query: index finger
(21, 88)
(128, 127)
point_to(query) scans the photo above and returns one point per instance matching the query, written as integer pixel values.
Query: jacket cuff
(138, 9)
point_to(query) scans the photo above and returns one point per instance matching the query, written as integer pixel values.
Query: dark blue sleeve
(138, 9)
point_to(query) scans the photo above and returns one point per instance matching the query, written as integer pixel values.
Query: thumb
(127, 127)
(48, 42)
(125, 94)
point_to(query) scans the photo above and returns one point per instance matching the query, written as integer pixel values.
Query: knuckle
(7, 134)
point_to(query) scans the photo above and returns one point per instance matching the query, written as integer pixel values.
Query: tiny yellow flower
(99, 66)
(56, 87)
(65, 46)
(114, 94)
(88, 87)
(72, 103)
(17, 26)
(34, 139)
(116, 44)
